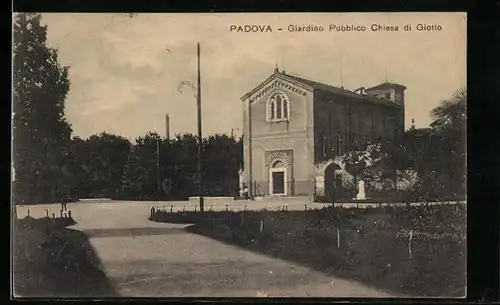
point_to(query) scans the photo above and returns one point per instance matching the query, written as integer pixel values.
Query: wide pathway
(146, 259)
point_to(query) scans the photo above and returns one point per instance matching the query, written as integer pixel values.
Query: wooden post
(250, 152)
(226, 207)
(171, 208)
(200, 138)
(338, 237)
(47, 213)
(409, 243)
(28, 212)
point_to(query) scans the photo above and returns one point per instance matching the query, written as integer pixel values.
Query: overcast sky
(124, 71)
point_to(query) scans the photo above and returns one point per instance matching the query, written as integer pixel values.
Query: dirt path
(146, 259)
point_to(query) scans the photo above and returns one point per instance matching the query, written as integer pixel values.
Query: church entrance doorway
(277, 179)
(333, 182)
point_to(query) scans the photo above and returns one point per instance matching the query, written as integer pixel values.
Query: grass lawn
(373, 244)
(51, 260)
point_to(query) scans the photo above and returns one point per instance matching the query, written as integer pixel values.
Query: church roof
(314, 85)
(386, 85)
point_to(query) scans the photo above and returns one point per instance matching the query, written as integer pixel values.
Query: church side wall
(356, 121)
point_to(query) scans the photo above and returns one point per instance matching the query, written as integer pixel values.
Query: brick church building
(295, 130)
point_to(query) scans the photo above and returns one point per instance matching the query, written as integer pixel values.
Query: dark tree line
(157, 168)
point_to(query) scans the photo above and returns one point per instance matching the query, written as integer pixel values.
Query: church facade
(295, 131)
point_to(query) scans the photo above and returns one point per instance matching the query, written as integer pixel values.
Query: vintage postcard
(239, 155)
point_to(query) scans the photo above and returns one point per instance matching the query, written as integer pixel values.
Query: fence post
(338, 236)
(305, 207)
(47, 213)
(28, 212)
(226, 207)
(409, 243)
(171, 208)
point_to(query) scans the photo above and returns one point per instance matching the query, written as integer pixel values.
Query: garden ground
(139, 258)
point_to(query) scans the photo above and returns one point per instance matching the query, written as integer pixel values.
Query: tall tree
(451, 113)
(222, 160)
(140, 175)
(102, 158)
(41, 133)
(449, 125)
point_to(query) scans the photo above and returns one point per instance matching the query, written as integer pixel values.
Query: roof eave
(386, 85)
(265, 82)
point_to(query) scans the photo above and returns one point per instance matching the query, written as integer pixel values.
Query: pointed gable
(278, 79)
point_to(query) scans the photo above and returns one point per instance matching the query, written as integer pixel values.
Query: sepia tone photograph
(261, 155)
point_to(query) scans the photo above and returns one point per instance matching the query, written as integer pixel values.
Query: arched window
(271, 106)
(278, 107)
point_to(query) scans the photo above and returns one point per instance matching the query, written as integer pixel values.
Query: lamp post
(197, 93)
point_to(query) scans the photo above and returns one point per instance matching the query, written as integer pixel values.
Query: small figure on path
(244, 194)
(64, 203)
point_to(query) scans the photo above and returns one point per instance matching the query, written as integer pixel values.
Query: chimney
(167, 126)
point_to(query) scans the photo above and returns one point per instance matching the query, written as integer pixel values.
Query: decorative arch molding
(278, 83)
(321, 167)
(283, 156)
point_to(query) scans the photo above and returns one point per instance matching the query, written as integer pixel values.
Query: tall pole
(167, 126)
(158, 165)
(200, 139)
(250, 170)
